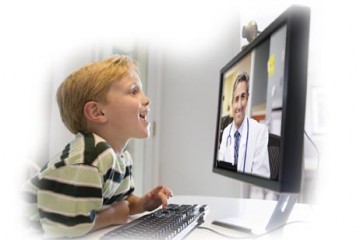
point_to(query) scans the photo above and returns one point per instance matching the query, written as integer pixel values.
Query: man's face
(239, 103)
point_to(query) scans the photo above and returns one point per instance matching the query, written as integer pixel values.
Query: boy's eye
(134, 90)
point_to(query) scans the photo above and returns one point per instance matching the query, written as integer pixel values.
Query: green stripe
(66, 220)
(91, 151)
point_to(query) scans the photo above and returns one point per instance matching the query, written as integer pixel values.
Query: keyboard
(174, 222)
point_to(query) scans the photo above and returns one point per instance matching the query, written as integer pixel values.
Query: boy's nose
(147, 101)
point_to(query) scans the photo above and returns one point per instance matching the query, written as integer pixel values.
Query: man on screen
(244, 141)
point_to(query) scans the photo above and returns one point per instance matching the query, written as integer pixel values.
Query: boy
(89, 185)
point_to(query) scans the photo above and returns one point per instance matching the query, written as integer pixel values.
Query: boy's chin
(145, 134)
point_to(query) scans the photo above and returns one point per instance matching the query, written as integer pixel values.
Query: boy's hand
(156, 197)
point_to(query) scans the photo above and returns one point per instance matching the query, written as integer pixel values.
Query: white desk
(220, 208)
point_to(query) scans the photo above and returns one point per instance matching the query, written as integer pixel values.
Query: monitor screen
(261, 106)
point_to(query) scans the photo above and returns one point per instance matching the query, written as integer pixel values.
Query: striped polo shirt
(87, 176)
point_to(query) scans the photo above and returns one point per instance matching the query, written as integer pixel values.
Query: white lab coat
(257, 158)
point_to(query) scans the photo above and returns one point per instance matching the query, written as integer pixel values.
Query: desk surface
(220, 208)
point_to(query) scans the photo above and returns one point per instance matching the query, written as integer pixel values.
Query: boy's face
(127, 107)
(239, 103)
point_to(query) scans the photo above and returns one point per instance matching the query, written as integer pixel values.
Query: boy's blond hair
(90, 83)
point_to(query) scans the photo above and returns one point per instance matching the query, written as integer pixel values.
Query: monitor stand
(278, 217)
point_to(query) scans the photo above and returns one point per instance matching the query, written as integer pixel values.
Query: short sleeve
(68, 198)
(118, 177)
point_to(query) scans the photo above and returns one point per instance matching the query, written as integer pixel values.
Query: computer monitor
(262, 95)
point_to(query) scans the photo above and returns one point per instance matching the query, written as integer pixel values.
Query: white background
(35, 33)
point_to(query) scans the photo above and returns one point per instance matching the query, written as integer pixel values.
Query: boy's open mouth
(143, 116)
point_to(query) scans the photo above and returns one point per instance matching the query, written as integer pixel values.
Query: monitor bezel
(297, 20)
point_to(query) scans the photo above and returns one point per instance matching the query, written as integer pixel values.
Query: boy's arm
(150, 201)
(116, 214)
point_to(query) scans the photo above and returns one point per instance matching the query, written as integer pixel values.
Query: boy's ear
(93, 112)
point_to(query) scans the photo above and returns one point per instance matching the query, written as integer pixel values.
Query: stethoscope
(228, 139)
